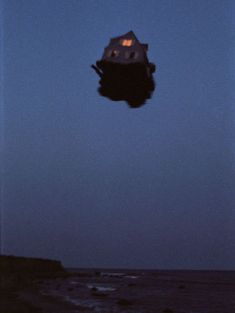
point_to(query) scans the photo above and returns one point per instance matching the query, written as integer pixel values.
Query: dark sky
(95, 183)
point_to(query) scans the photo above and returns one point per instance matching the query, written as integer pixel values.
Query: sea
(145, 291)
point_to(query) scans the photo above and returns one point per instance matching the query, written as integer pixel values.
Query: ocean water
(141, 291)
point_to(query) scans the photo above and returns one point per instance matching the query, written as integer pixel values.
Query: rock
(97, 274)
(167, 310)
(70, 289)
(100, 294)
(94, 289)
(124, 302)
(132, 285)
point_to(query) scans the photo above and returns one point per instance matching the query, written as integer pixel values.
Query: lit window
(127, 42)
(112, 53)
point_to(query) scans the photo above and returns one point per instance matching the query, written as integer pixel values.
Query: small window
(127, 42)
(132, 55)
(112, 53)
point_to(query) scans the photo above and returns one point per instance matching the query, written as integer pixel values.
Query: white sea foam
(86, 304)
(101, 288)
(118, 275)
(111, 274)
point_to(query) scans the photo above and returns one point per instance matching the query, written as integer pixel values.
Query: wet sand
(139, 292)
(45, 303)
(31, 301)
(117, 291)
(10, 303)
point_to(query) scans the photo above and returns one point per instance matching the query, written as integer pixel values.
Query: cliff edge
(15, 271)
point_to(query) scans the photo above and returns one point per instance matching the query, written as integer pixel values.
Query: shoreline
(45, 303)
(19, 285)
(31, 300)
(11, 303)
(40, 286)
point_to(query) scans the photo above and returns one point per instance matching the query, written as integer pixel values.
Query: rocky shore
(19, 279)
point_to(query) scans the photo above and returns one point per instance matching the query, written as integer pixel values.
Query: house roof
(115, 42)
(129, 35)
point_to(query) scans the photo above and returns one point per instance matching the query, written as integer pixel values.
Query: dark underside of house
(131, 73)
(132, 83)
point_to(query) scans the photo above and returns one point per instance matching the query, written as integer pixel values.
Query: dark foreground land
(36, 285)
(20, 276)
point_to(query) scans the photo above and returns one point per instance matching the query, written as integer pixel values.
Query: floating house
(125, 55)
(125, 71)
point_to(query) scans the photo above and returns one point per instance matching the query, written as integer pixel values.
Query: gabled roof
(129, 35)
(145, 46)
(115, 43)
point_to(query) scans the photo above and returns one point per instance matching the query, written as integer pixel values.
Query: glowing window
(127, 42)
(113, 53)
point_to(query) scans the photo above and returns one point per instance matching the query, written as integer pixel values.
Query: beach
(47, 287)
(123, 291)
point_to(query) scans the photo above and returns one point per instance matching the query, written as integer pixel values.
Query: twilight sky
(96, 184)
